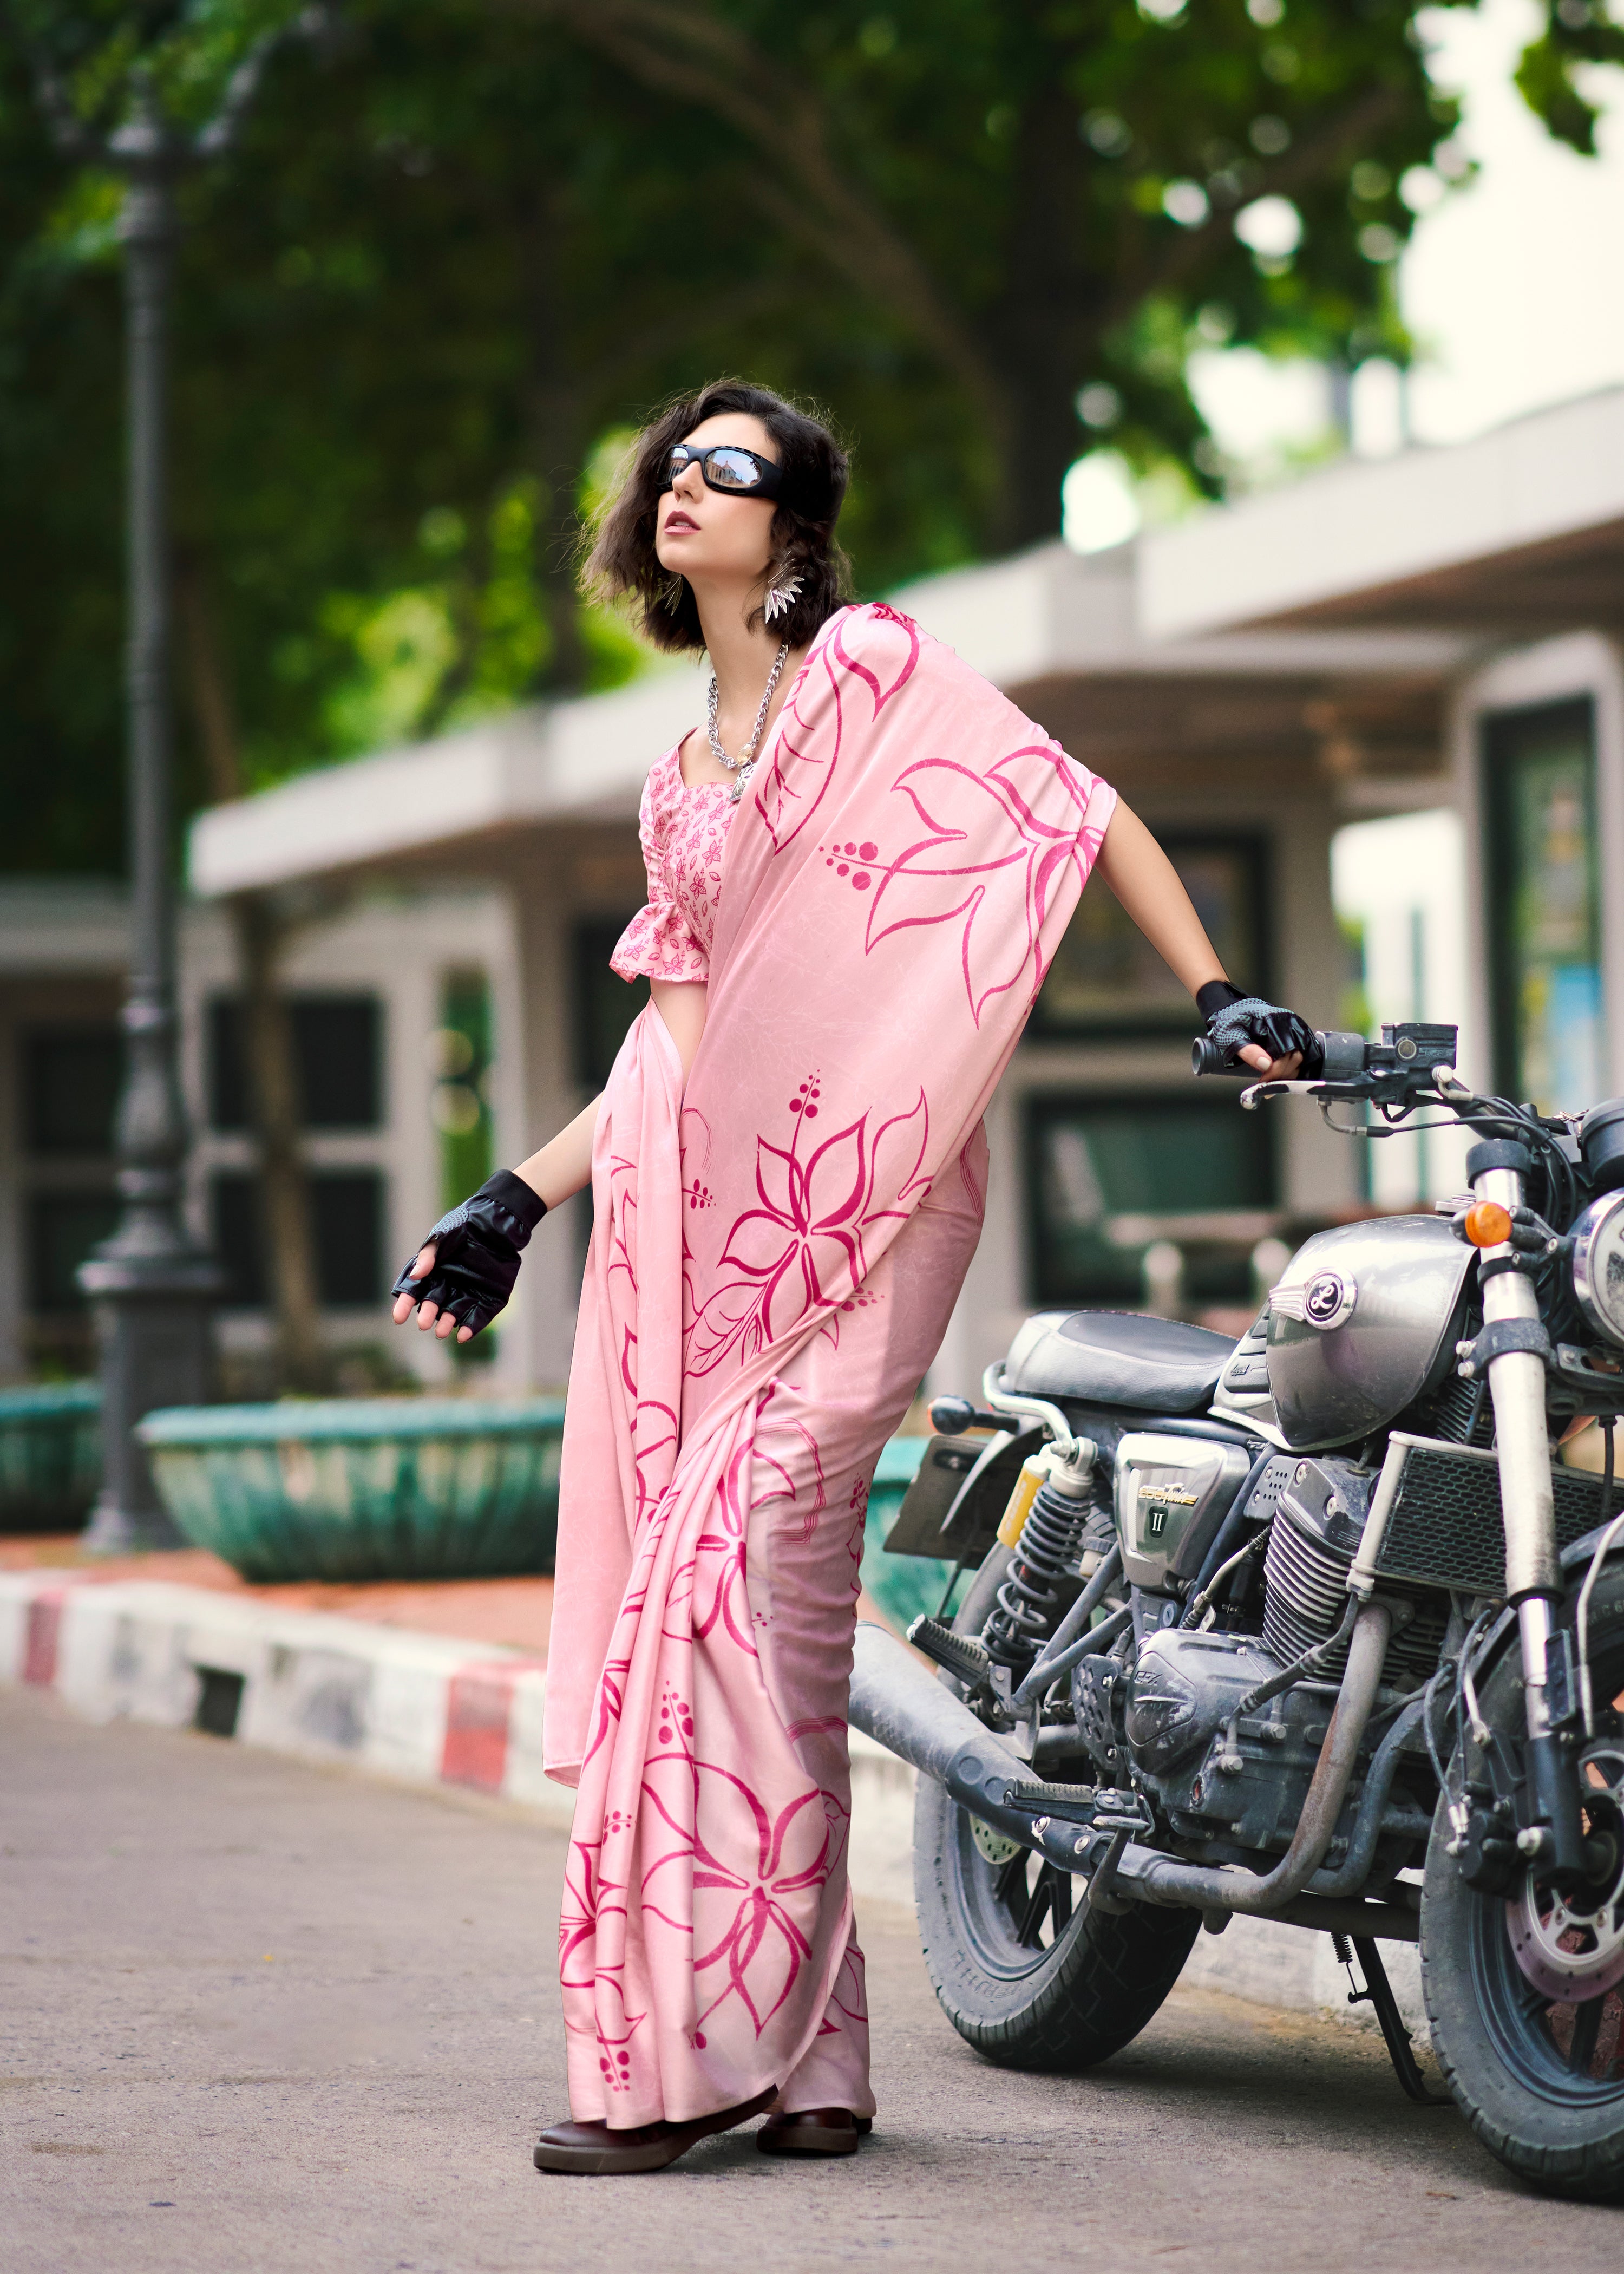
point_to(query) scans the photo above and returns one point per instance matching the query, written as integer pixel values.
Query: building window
(70, 1084)
(1544, 914)
(347, 1209)
(63, 1228)
(1106, 978)
(1094, 1160)
(605, 1004)
(338, 1061)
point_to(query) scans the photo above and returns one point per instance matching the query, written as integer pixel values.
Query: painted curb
(420, 1708)
(430, 1710)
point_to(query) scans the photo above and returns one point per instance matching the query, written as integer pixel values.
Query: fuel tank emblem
(1327, 1300)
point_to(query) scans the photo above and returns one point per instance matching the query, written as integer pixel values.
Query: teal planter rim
(349, 1419)
(48, 1401)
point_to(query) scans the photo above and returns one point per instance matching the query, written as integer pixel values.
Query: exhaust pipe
(904, 1708)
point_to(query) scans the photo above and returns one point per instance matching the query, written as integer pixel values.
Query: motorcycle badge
(1326, 1301)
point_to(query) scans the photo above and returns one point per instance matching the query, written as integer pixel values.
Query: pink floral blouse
(684, 833)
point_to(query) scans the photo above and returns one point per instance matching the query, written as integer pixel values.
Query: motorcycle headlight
(1599, 1264)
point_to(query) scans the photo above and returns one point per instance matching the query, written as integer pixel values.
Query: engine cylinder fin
(1306, 1595)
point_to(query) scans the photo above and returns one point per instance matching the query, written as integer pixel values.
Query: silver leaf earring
(781, 597)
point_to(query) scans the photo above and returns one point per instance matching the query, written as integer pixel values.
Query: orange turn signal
(1488, 1225)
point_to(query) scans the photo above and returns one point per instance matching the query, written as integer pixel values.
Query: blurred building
(388, 999)
(1415, 661)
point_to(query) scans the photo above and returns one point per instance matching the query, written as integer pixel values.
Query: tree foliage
(465, 245)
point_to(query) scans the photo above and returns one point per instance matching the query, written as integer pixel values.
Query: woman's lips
(677, 522)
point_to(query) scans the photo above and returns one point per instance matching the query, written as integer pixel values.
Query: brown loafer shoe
(813, 2132)
(602, 2150)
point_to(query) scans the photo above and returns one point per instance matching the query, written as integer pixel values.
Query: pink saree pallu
(777, 1248)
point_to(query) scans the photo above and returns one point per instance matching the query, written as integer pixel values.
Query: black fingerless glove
(1233, 1019)
(476, 1251)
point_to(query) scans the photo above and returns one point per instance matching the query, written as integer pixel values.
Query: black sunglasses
(727, 467)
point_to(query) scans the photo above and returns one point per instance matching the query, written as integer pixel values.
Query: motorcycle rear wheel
(1022, 1968)
(1539, 2076)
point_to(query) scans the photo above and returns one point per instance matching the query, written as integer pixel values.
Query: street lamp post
(152, 1285)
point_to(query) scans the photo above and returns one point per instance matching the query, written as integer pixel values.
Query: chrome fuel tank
(1358, 1326)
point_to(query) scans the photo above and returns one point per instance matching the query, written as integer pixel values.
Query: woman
(858, 873)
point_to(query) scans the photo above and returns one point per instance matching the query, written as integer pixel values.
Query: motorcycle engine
(1243, 1789)
(1232, 1797)
(1315, 1537)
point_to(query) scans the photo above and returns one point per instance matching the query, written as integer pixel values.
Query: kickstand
(1379, 1992)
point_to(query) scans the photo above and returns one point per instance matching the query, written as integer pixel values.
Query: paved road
(261, 2019)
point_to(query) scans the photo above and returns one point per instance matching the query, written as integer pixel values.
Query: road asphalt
(259, 2018)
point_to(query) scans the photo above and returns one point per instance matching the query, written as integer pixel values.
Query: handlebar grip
(1206, 1058)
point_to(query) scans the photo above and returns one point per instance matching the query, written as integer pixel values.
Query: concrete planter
(365, 1488)
(51, 1455)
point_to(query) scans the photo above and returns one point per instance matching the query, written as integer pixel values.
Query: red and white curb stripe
(425, 1708)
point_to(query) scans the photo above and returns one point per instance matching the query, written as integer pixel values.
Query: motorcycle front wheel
(1022, 1968)
(1525, 1991)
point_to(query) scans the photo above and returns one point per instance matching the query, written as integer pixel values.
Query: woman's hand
(427, 1312)
(464, 1272)
(1267, 1037)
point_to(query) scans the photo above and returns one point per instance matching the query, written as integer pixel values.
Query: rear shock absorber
(1044, 1523)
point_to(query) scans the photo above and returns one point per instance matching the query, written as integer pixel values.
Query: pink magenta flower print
(854, 673)
(779, 1236)
(759, 1905)
(802, 1248)
(998, 853)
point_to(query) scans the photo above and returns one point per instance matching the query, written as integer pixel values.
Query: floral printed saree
(776, 1247)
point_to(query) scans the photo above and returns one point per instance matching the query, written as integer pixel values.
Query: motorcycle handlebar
(1413, 1051)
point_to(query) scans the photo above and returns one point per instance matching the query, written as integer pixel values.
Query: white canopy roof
(1520, 530)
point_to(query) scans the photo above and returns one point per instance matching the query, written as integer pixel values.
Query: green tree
(1053, 202)
(464, 244)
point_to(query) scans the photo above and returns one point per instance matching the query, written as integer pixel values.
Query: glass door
(1542, 911)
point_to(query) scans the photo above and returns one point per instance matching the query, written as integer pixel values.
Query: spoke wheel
(1526, 1992)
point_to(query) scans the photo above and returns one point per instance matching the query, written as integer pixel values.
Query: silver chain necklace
(744, 764)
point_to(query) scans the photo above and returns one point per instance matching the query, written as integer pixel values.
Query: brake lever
(1260, 1092)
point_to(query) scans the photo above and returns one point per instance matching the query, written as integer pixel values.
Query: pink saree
(776, 1251)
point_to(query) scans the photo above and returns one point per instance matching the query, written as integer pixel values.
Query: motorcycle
(1310, 1626)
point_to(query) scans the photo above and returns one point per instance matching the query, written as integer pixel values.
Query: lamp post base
(156, 1349)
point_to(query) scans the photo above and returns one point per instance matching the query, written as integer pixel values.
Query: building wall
(399, 946)
(1403, 881)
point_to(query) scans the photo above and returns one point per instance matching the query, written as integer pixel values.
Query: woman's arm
(560, 1170)
(1146, 883)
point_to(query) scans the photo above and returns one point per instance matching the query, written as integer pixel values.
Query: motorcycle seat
(1117, 1357)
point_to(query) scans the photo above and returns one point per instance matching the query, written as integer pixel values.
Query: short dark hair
(623, 562)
